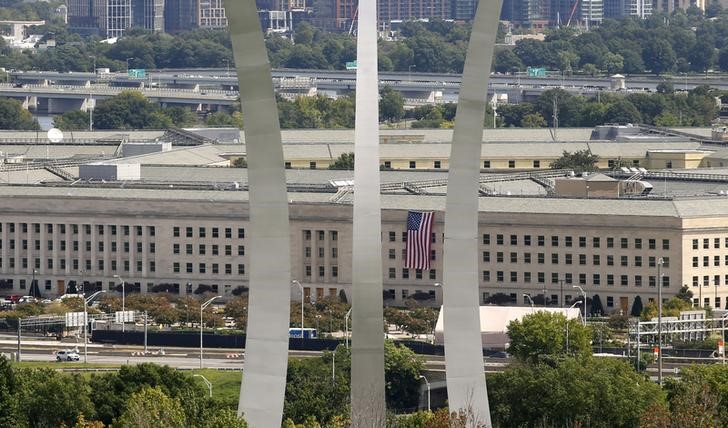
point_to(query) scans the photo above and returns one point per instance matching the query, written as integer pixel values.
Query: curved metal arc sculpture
(266, 357)
(463, 350)
(367, 356)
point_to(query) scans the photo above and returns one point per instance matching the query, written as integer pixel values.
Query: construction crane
(573, 11)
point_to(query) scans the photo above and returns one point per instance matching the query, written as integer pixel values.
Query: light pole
(346, 324)
(127, 65)
(202, 308)
(207, 382)
(32, 283)
(530, 300)
(429, 409)
(561, 287)
(722, 336)
(409, 69)
(583, 294)
(85, 321)
(333, 367)
(659, 321)
(123, 301)
(91, 100)
(301, 288)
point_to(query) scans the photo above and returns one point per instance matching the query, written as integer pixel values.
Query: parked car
(67, 355)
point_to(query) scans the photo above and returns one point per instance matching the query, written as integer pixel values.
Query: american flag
(419, 229)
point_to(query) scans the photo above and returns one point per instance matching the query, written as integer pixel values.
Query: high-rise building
(392, 10)
(81, 18)
(148, 14)
(591, 12)
(180, 15)
(115, 16)
(463, 10)
(211, 14)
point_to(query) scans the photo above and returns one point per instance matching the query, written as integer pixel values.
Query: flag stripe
(419, 232)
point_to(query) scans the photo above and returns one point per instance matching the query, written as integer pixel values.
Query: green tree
(72, 120)
(14, 116)
(533, 120)
(659, 55)
(579, 161)
(391, 105)
(594, 392)
(505, 61)
(402, 368)
(128, 110)
(151, 408)
(344, 161)
(685, 294)
(9, 397)
(544, 334)
(63, 398)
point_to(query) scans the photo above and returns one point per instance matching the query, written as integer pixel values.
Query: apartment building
(535, 245)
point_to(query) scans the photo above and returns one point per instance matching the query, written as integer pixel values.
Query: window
(582, 279)
(393, 236)
(188, 249)
(716, 260)
(499, 239)
(540, 257)
(433, 274)
(312, 165)
(436, 164)
(554, 259)
(695, 244)
(404, 236)
(541, 240)
(582, 242)
(139, 247)
(651, 261)
(189, 232)
(610, 260)
(651, 281)
(527, 277)
(706, 261)
(486, 276)
(228, 250)
(596, 260)
(241, 270)
(139, 266)
(610, 242)
(624, 280)
(568, 259)
(706, 243)
(499, 257)
(568, 278)
(215, 250)
(241, 234)
(537, 164)
(202, 232)
(405, 273)
(596, 279)
(175, 231)
(514, 257)
(696, 263)
(321, 252)
(624, 243)
(638, 261)
(486, 256)
(582, 259)
(511, 164)
(651, 244)
(610, 279)
(392, 253)
(229, 269)
(527, 258)
(638, 243)
(514, 239)
(152, 266)
(202, 249)
(418, 273)
(610, 301)
(392, 273)
(412, 164)
(514, 276)
(568, 241)
(308, 270)
(554, 241)
(334, 235)
(541, 277)
(527, 240)
(229, 233)
(139, 230)
(554, 278)
(499, 276)
(596, 242)
(486, 164)
(335, 252)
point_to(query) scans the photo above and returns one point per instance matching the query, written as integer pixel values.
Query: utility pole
(659, 321)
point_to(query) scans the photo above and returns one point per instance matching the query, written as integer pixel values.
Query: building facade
(188, 238)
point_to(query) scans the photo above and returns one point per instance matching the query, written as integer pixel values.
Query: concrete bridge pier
(30, 103)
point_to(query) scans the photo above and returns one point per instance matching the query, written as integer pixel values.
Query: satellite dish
(55, 135)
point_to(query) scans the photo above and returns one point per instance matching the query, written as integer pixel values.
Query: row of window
(202, 249)
(321, 252)
(393, 237)
(202, 268)
(706, 261)
(320, 235)
(202, 232)
(569, 278)
(568, 241)
(438, 164)
(707, 280)
(61, 228)
(568, 259)
(321, 271)
(706, 243)
(88, 264)
(63, 245)
(418, 273)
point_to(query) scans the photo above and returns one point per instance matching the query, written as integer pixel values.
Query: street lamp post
(333, 367)
(202, 308)
(561, 286)
(127, 65)
(32, 283)
(346, 324)
(429, 408)
(91, 99)
(583, 294)
(659, 321)
(301, 288)
(123, 301)
(207, 382)
(530, 300)
(410, 71)
(85, 321)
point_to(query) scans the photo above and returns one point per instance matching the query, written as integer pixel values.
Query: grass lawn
(225, 383)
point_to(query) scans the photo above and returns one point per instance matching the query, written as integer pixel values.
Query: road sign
(351, 65)
(137, 73)
(74, 319)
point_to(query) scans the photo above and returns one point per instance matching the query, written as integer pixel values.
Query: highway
(342, 79)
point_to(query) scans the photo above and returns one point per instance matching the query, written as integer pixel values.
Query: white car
(67, 355)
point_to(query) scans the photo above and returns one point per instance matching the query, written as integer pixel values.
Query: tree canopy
(14, 116)
(579, 161)
(544, 334)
